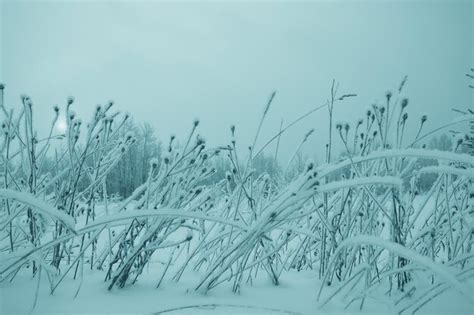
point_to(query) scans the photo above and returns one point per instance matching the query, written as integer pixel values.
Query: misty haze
(237, 157)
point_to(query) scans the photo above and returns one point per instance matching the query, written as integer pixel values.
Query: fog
(168, 63)
(104, 216)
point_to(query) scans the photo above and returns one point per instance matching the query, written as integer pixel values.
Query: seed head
(404, 102)
(309, 165)
(166, 159)
(72, 114)
(200, 140)
(129, 136)
(154, 163)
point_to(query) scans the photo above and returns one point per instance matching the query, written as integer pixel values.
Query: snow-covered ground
(295, 295)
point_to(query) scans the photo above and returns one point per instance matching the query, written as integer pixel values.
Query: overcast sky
(168, 63)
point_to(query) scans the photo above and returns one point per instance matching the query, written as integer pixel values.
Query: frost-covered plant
(359, 220)
(437, 227)
(471, 76)
(45, 193)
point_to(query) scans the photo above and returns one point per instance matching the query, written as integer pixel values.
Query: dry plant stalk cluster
(353, 220)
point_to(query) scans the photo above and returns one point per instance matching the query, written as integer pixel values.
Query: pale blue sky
(170, 62)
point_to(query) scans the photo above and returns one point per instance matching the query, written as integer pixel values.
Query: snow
(361, 181)
(38, 205)
(326, 170)
(413, 256)
(296, 294)
(144, 298)
(444, 169)
(125, 217)
(330, 240)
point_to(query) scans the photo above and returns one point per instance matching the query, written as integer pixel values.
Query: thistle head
(346, 127)
(154, 163)
(24, 98)
(404, 102)
(72, 115)
(405, 117)
(166, 159)
(200, 140)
